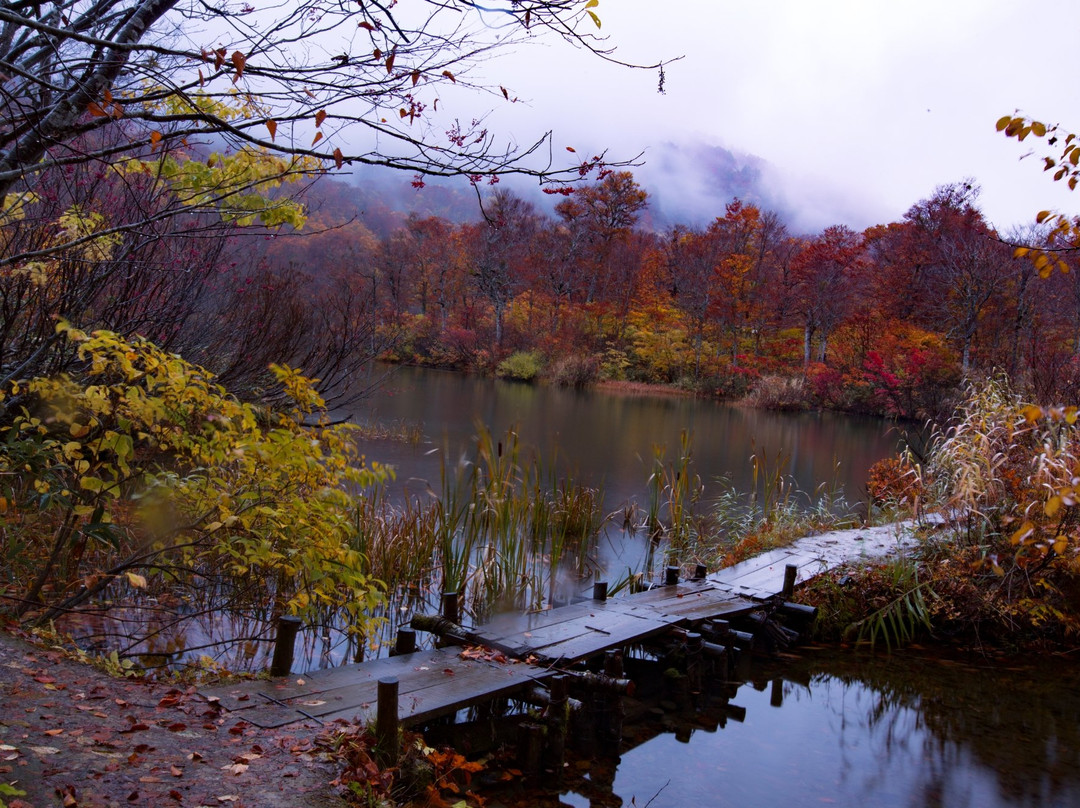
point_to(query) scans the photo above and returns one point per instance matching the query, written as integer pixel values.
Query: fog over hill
(688, 183)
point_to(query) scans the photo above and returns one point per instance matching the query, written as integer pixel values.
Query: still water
(608, 440)
(834, 728)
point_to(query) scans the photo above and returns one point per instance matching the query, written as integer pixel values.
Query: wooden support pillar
(614, 711)
(599, 590)
(694, 662)
(791, 572)
(386, 722)
(284, 644)
(776, 695)
(558, 718)
(700, 571)
(530, 747)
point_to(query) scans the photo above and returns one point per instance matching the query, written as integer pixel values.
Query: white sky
(861, 107)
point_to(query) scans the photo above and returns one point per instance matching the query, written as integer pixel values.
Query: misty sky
(849, 111)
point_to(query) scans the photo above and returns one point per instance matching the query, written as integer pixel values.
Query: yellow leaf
(1025, 530)
(1003, 122)
(136, 580)
(595, 19)
(1038, 128)
(592, 4)
(1052, 506)
(1032, 413)
(1061, 544)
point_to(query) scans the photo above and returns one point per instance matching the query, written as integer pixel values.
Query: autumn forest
(884, 321)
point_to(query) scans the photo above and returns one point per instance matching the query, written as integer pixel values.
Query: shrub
(522, 366)
(576, 371)
(145, 471)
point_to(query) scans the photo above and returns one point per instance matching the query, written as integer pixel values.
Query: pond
(846, 729)
(605, 439)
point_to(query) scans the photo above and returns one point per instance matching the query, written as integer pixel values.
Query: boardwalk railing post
(700, 572)
(671, 576)
(599, 590)
(386, 722)
(790, 572)
(406, 641)
(287, 627)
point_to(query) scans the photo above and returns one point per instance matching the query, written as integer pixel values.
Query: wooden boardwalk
(527, 649)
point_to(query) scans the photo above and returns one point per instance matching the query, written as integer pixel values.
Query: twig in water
(657, 794)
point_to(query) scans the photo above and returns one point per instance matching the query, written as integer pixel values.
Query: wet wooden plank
(257, 692)
(444, 686)
(689, 604)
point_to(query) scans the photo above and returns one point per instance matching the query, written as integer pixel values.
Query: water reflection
(608, 439)
(906, 730)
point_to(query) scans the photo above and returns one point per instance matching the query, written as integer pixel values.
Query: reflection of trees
(1023, 723)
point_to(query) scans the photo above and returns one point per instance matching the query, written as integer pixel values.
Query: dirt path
(72, 736)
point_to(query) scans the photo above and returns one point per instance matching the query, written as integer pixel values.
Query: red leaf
(450, 76)
(320, 116)
(337, 158)
(239, 61)
(415, 77)
(367, 26)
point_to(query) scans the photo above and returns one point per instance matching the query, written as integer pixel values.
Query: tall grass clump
(502, 532)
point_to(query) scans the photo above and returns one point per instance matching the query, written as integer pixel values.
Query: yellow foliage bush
(142, 470)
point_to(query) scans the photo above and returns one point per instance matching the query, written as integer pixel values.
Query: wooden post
(671, 577)
(287, 627)
(530, 747)
(450, 607)
(406, 640)
(791, 571)
(386, 722)
(599, 590)
(558, 716)
(700, 572)
(615, 712)
(694, 653)
(776, 695)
